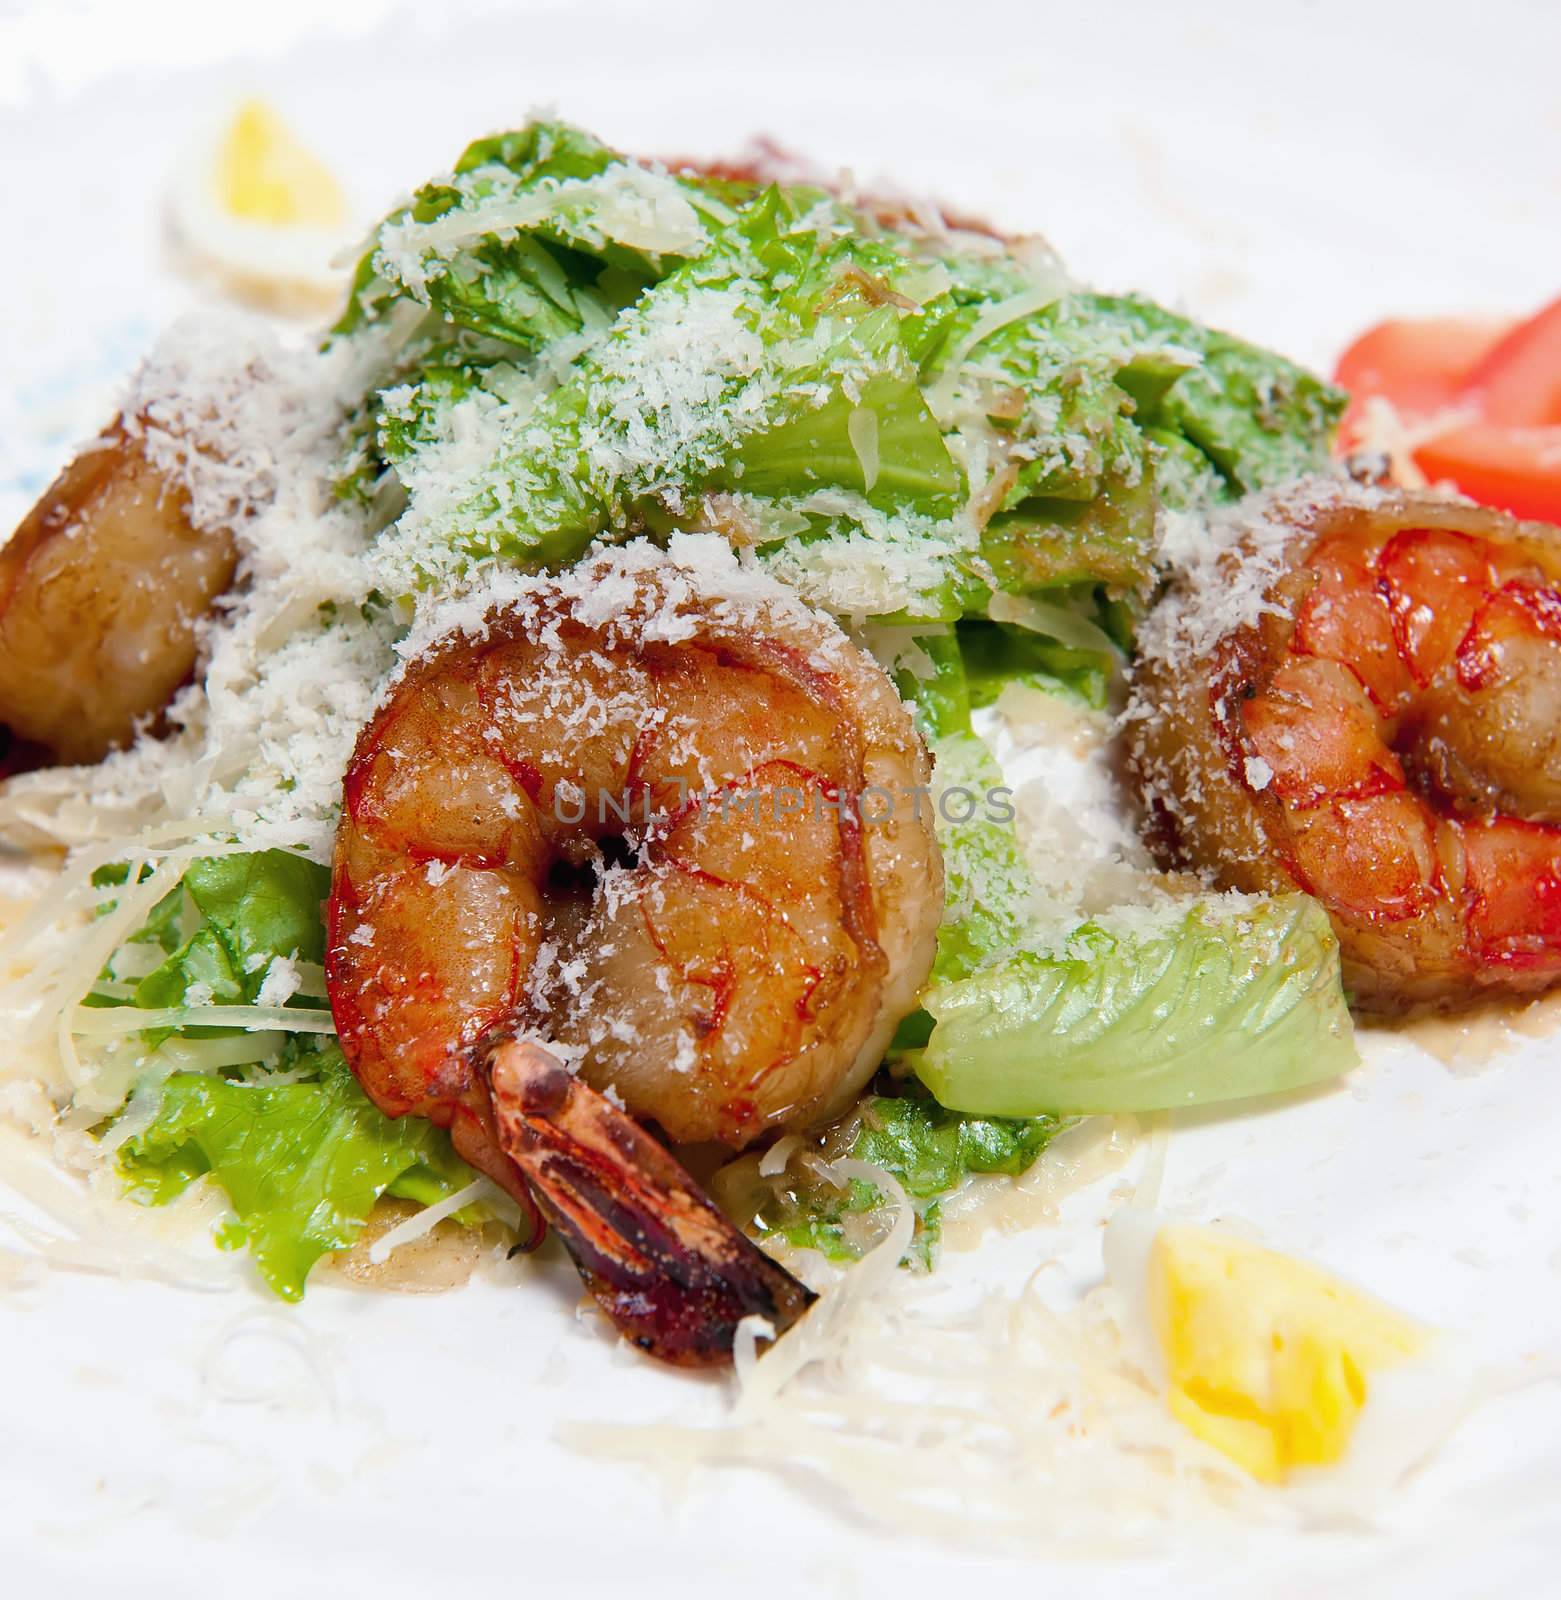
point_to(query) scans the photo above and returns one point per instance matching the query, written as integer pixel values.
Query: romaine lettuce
(953, 419)
(299, 1149)
(988, 890)
(301, 1163)
(535, 254)
(768, 365)
(1121, 405)
(997, 654)
(1258, 418)
(1227, 999)
(929, 1149)
(1208, 999)
(252, 907)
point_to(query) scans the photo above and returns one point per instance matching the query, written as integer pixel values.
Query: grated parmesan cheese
(630, 203)
(281, 982)
(1223, 564)
(248, 427)
(1258, 772)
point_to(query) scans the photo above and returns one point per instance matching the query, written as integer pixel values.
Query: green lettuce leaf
(928, 1148)
(252, 907)
(931, 1149)
(996, 654)
(1259, 418)
(754, 368)
(1107, 536)
(859, 372)
(525, 284)
(301, 1160)
(1218, 999)
(988, 889)
(301, 1163)
(1233, 998)
(809, 440)
(1106, 406)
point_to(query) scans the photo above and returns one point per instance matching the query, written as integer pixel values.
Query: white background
(1292, 171)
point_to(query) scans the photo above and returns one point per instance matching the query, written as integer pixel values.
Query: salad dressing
(444, 1258)
(1470, 1042)
(1078, 1158)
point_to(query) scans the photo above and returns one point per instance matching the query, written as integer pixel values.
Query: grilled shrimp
(101, 588)
(673, 823)
(1379, 725)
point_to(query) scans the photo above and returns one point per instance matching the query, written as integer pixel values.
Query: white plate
(1292, 172)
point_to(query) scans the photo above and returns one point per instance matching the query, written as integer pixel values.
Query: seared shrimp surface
(101, 588)
(731, 959)
(1380, 727)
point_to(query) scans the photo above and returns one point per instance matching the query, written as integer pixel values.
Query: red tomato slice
(1419, 365)
(1510, 374)
(1515, 469)
(1518, 381)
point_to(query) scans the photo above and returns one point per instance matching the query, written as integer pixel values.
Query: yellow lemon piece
(265, 175)
(1268, 1358)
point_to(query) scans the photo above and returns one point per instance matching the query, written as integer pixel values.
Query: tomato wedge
(1518, 381)
(1514, 469)
(1418, 365)
(1508, 376)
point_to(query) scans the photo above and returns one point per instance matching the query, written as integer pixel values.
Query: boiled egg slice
(259, 211)
(1297, 1376)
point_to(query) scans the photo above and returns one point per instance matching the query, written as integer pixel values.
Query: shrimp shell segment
(672, 1274)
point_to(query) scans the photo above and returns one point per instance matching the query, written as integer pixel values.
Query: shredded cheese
(988, 1418)
(422, 1223)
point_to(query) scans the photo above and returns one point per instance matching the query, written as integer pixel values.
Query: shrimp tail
(476, 1142)
(672, 1274)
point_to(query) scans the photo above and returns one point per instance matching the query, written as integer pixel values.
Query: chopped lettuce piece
(301, 1163)
(762, 367)
(1100, 407)
(1227, 999)
(253, 907)
(931, 1149)
(537, 239)
(302, 1159)
(1032, 393)
(997, 654)
(876, 437)
(855, 560)
(938, 688)
(1259, 418)
(529, 239)
(928, 1148)
(1048, 542)
(1217, 998)
(927, 422)
(988, 891)
(988, 888)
